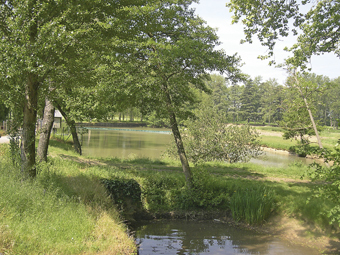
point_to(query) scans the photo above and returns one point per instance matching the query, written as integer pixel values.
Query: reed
(252, 205)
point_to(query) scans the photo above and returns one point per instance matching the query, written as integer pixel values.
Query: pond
(208, 237)
(152, 142)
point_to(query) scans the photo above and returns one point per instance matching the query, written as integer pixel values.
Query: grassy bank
(272, 137)
(63, 211)
(66, 210)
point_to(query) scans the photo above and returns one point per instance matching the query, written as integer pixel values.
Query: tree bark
(45, 131)
(177, 137)
(30, 108)
(28, 129)
(72, 125)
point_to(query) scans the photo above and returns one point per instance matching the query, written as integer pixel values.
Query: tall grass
(252, 205)
(42, 216)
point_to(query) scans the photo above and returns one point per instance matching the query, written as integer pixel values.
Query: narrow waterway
(208, 237)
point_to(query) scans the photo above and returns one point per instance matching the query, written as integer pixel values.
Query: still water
(123, 143)
(190, 237)
(151, 143)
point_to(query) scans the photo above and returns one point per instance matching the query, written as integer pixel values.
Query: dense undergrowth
(67, 210)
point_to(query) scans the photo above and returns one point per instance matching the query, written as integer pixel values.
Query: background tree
(270, 101)
(235, 91)
(219, 92)
(250, 100)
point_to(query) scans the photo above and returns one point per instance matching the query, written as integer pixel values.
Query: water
(151, 143)
(190, 237)
(140, 142)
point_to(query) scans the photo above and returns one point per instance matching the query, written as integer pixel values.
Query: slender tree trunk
(309, 112)
(76, 143)
(178, 138)
(131, 115)
(72, 125)
(28, 130)
(45, 131)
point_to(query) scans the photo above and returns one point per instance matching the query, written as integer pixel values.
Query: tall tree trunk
(30, 108)
(72, 125)
(178, 138)
(28, 129)
(45, 131)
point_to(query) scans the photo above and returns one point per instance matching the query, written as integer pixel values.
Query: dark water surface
(208, 237)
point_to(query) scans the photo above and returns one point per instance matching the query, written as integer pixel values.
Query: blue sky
(218, 16)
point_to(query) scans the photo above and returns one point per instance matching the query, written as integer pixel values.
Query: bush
(328, 180)
(168, 192)
(207, 137)
(252, 205)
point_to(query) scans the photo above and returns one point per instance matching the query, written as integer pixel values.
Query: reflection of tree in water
(185, 237)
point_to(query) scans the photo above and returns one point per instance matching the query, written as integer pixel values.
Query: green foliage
(252, 205)
(120, 190)
(303, 149)
(250, 100)
(207, 137)
(271, 19)
(206, 192)
(168, 192)
(3, 112)
(328, 181)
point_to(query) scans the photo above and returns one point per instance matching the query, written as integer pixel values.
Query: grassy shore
(271, 137)
(66, 210)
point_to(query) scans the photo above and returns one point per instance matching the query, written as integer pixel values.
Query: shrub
(252, 205)
(207, 137)
(329, 187)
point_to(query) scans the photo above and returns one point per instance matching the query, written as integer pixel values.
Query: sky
(217, 15)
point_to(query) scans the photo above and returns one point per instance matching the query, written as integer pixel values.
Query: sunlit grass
(64, 211)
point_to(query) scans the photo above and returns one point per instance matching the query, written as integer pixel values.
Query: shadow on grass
(61, 144)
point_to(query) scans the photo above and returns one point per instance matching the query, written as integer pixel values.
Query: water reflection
(151, 143)
(187, 237)
(123, 143)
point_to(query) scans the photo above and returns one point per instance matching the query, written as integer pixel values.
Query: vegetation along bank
(67, 210)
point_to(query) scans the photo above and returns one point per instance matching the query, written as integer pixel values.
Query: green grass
(62, 211)
(329, 138)
(66, 210)
(252, 205)
(277, 142)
